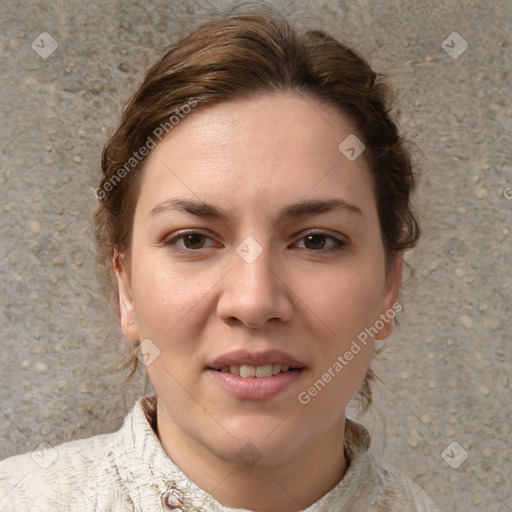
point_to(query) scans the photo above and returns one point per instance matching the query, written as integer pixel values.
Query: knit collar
(151, 477)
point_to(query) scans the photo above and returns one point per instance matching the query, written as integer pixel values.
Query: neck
(292, 485)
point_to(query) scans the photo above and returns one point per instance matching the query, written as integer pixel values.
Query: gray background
(445, 376)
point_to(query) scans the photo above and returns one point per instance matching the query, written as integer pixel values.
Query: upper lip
(261, 358)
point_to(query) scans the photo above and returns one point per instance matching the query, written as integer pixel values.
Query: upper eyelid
(181, 234)
(338, 238)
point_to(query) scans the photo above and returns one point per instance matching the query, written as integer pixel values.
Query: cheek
(170, 302)
(346, 301)
(162, 295)
(343, 306)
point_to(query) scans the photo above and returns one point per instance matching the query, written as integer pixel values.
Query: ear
(390, 304)
(126, 306)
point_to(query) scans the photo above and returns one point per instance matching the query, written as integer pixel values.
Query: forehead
(267, 149)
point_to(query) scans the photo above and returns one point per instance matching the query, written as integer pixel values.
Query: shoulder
(395, 489)
(71, 473)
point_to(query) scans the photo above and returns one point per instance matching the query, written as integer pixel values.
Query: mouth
(259, 372)
(255, 375)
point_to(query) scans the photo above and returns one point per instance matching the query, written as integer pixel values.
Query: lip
(241, 357)
(255, 388)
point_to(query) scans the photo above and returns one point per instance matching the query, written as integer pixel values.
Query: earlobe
(390, 304)
(126, 306)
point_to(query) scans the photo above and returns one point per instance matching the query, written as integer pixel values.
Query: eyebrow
(291, 211)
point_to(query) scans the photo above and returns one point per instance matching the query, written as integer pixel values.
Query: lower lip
(255, 388)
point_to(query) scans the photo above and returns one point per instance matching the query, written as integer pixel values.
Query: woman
(253, 213)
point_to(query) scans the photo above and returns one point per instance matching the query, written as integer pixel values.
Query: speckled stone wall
(443, 390)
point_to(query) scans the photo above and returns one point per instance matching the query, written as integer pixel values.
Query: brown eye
(193, 241)
(188, 241)
(317, 242)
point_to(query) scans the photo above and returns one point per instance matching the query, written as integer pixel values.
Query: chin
(259, 443)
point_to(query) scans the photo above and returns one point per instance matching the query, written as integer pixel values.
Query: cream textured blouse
(128, 470)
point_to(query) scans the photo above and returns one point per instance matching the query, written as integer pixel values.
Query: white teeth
(247, 370)
(264, 371)
(276, 368)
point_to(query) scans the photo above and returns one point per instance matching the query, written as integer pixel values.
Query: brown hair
(241, 55)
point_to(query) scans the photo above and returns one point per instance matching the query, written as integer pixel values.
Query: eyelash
(171, 241)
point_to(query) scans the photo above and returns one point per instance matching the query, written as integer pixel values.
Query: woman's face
(230, 267)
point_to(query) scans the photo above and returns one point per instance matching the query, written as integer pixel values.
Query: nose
(255, 292)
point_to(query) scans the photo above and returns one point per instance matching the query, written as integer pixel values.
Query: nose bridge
(253, 267)
(254, 292)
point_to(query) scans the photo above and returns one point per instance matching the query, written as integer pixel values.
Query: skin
(252, 157)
